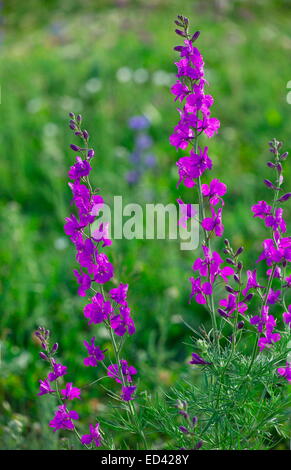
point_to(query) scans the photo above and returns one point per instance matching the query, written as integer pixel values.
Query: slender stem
(264, 303)
(132, 410)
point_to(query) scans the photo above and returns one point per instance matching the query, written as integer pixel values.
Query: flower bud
(180, 33)
(43, 356)
(183, 429)
(240, 325)
(195, 36)
(248, 298)
(75, 148)
(229, 289)
(284, 156)
(85, 134)
(222, 312)
(269, 184)
(236, 278)
(284, 198)
(55, 347)
(239, 251)
(194, 421)
(199, 445)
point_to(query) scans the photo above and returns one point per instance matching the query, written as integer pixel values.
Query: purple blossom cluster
(95, 268)
(64, 416)
(195, 120)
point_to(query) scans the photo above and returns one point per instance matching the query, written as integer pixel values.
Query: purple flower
(261, 209)
(196, 359)
(127, 392)
(192, 167)
(81, 198)
(103, 270)
(214, 223)
(73, 225)
(214, 191)
(265, 324)
(200, 291)
(125, 370)
(285, 371)
(93, 436)
(80, 169)
(276, 222)
(123, 322)
(288, 281)
(84, 282)
(273, 296)
(70, 392)
(182, 136)
(95, 353)
(187, 211)
(230, 305)
(45, 387)
(179, 90)
(98, 310)
(101, 235)
(276, 253)
(63, 419)
(287, 316)
(86, 250)
(119, 294)
(276, 273)
(251, 282)
(58, 371)
(211, 265)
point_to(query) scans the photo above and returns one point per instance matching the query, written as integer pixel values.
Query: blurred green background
(110, 60)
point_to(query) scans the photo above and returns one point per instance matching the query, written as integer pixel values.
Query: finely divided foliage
(238, 398)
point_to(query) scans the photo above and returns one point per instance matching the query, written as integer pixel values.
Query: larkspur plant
(240, 402)
(236, 398)
(109, 308)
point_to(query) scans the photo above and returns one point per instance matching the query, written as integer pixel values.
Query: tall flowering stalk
(104, 306)
(237, 309)
(195, 120)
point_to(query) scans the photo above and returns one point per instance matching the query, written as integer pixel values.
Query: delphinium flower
(64, 417)
(141, 157)
(105, 305)
(276, 251)
(195, 120)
